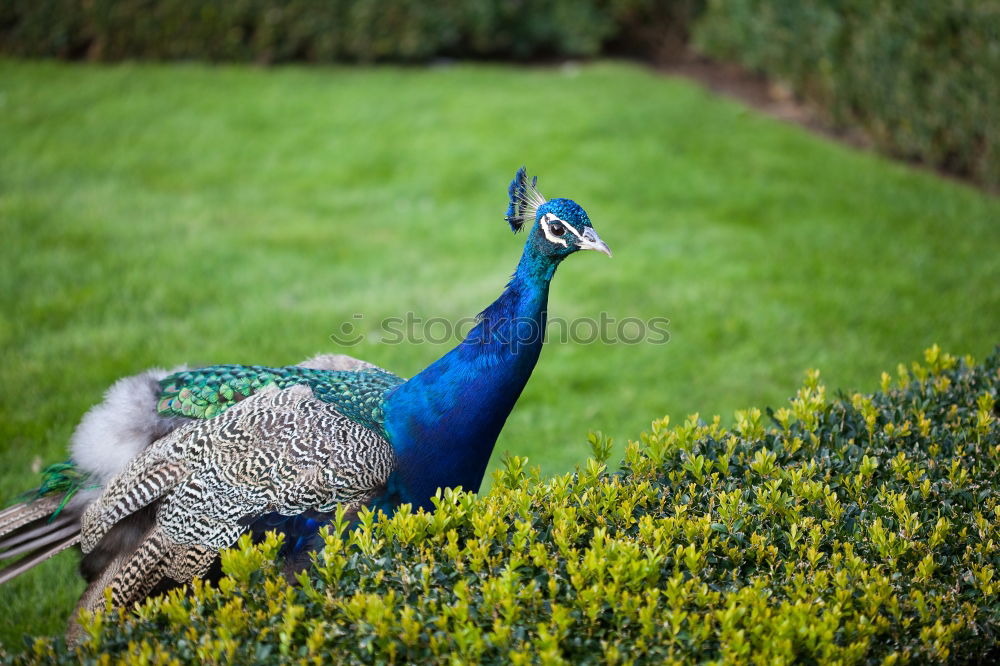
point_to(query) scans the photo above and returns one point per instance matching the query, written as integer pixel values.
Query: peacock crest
(524, 200)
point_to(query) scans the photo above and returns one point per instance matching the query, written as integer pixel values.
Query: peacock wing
(136, 412)
(279, 451)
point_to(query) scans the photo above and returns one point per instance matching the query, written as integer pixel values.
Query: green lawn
(157, 215)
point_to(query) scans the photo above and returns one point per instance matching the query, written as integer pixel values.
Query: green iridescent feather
(207, 392)
(61, 478)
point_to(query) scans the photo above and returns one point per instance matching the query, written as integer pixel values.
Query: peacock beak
(591, 241)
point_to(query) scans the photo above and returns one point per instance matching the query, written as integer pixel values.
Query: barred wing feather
(280, 450)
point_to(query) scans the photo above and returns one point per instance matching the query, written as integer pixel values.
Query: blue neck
(444, 422)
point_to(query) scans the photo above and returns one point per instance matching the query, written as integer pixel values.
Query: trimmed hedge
(921, 76)
(331, 30)
(864, 529)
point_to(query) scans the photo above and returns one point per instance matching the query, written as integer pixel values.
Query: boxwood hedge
(854, 529)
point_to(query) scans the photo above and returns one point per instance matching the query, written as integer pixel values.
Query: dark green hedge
(332, 30)
(921, 76)
(862, 529)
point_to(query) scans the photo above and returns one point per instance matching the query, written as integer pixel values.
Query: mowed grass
(154, 215)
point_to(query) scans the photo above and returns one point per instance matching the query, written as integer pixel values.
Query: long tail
(32, 532)
(47, 521)
(45, 524)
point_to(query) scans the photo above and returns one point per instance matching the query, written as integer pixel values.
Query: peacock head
(560, 226)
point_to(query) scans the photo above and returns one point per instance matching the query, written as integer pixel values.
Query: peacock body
(175, 465)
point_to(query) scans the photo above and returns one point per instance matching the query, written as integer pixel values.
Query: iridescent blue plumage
(300, 531)
(444, 422)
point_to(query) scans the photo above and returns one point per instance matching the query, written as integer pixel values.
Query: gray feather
(35, 532)
(117, 429)
(20, 515)
(51, 537)
(26, 564)
(337, 363)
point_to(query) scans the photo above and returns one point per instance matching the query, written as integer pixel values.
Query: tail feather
(107, 438)
(34, 531)
(35, 544)
(20, 515)
(24, 535)
(6, 514)
(27, 563)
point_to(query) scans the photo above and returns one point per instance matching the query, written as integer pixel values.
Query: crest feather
(524, 200)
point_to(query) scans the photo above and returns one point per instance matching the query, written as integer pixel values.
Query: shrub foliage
(922, 77)
(331, 30)
(863, 529)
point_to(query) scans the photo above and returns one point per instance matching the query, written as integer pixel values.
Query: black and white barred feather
(278, 451)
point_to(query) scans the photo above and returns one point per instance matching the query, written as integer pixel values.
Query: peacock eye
(557, 229)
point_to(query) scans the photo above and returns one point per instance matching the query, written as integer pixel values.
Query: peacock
(175, 465)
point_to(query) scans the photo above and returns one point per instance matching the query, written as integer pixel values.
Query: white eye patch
(549, 219)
